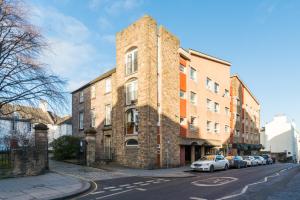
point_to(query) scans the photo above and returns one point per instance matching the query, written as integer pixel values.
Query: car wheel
(226, 167)
(211, 169)
(246, 165)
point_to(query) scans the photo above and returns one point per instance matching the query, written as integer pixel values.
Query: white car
(211, 163)
(251, 161)
(260, 160)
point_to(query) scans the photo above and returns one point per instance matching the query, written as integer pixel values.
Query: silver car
(251, 161)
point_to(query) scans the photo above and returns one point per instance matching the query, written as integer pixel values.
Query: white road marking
(150, 181)
(156, 182)
(138, 183)
(117, 189)
(114, 194)
(197, 198)
(141, 189)
(144, 184)
(108, 188)
(99, 192)
(125, 185)
(130, 186)
(216, 181)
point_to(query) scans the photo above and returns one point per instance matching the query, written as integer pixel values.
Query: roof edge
(212, 58)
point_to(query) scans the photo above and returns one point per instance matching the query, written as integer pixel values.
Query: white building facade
(280, 137)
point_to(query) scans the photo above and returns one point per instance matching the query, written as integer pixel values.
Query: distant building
(281, 139)
(21, 119)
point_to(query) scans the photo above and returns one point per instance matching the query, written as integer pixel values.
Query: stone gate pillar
(90, 137)
(41, 144)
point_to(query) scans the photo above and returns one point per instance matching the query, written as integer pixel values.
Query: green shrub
(66, 147)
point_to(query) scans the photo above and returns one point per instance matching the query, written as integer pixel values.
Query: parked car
(261, 160)
(268, 159)
(211, 163)
(250, 161)
(236, 162)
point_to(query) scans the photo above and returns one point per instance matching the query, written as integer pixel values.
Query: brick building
(245, 118)
(162, 105)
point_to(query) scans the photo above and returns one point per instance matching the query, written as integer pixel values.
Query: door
(107, 147)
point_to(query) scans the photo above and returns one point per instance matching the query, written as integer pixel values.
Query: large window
(93, 118)
(193, 98)
(209, 105)
(217, 88)
(132, 120)
(131, 62)
(80, 120)
(131, 92)
(226, 93)
(108, 114)
(209, 126)
(193, 123)
(217, 128)
(209, 84)
(107, 85)
(217, 107)
(193, 74)
(182, 94)
(227, 111)
(132, 143)
(81, 97)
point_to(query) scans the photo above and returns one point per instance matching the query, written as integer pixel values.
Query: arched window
(131, 143)
(131, 91)
(131, 61)
(131, 123)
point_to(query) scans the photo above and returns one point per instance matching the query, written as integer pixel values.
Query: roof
(206, 56)
(99, 78)
(64, 120)
(237, 76)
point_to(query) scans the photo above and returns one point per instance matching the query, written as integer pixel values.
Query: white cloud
(109, 38)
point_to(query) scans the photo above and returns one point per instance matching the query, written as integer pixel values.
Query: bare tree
(24, 79)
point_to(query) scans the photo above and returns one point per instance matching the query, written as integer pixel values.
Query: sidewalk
(111, 172)
(47, 186)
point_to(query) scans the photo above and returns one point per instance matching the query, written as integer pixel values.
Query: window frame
(93, 118)
(134, 84)
(134, 61)
(135, 145)
(108, 86)
(81, 120)
(194, 102)
(193, 74)
(81, 97)
(184, 94)
(106, 121)
(216, 87)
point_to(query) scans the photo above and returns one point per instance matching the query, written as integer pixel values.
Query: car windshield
(246, 158)
(207, 158)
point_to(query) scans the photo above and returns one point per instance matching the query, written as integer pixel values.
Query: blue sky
(261, 38)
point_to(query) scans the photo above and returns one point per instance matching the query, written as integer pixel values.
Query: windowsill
(81, 102)
(126, 75)
(81, 129)
(133, 134)
(106, 93)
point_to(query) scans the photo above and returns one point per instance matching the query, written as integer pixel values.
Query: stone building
(161, 106)
(245, 119)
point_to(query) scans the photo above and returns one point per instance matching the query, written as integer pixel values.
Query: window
(132, 142)
(226, 93)
(93, 92)
(217, 88)
(238, 117)
(131, 92)
(182, 68)
(217, 128)
(81, 97)
(182, 121)
(209, 105)
(238, 102)
(226, 129)
(193, 74)
(209, 84)
(131, 62)
(227, 111)
(81, 120)
(217, 107)
(108, 114)
(193, 98)
(182, 94)
(93, 118)
(193, 123)
(132, 121)
(209, 126)
(107, 85)
(237, 132)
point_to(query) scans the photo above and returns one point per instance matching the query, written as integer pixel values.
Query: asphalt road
(248, 183)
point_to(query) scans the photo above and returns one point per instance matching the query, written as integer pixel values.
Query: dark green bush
(66, 147)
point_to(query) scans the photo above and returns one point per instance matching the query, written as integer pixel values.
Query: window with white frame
(238, 118)
(81, 97)
(108, 85)
(93, 92)
(209, 126)
(217, 88)
(217, 107)
(209, 84)
(131, 61)
(193, 74)
(182, 94)
(209, 105)
(226, 93)
(226, 129)
(193, 98)
(80, 119)
(132, 143)
(193, 123)
(182, 121)
(132, 120)
(217, 128)
(131, 92)
(93, 118)
(182, 68)
(107, 114)
(237, 132)
(238, 102)
(226, 111)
